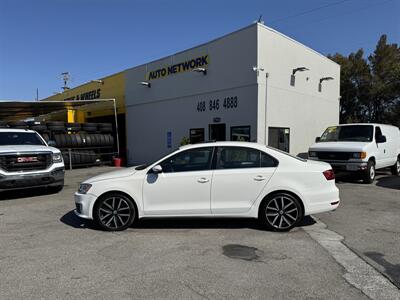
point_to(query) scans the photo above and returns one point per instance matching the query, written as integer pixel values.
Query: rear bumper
(322, 201)
(54, 177)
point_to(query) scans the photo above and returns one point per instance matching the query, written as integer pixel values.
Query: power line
(308, 11)
(349, 12)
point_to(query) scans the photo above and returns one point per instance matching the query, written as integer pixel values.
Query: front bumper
(345, 166)
(20, 181)
(84, 205)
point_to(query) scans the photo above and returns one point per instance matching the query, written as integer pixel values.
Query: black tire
(89, 140)
(73, 127)
(64, 141)
(111, 141)
(55, 123)
(280, 212)
(395, 169)
(89, 127)
(78, 139)
(110, 221)
(58, 129)
(17, 124)
(369, 173)
(105, 128)
(46, 137)
(39, 128)
(57, 139)
(21, 127)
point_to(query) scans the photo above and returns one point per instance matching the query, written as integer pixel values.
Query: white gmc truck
(360, 148)
(27, 161)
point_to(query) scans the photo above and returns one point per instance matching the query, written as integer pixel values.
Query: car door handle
(259, 178)
(203, 180)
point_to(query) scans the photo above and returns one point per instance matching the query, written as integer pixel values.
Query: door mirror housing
(51, 143)
(156, 169)
(381, 139)
(317, 139)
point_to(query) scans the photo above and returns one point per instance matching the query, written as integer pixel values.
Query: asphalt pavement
(46, 252)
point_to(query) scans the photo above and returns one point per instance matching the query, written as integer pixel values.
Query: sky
(40, 39)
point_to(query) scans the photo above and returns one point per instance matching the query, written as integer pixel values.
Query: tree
(370, 89)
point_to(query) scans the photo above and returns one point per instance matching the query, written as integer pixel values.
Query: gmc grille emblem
(27, 159)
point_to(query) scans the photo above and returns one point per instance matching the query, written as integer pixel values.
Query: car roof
(374, 124)
(15, 130)
(226, 144)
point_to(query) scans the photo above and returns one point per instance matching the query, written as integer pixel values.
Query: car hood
(27, 148)
(339, 146)
(123, 172)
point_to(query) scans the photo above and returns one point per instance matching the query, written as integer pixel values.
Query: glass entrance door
(217, 132)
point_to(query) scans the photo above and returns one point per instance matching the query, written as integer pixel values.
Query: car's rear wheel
(396, 168)
(369, 174)
(115, 212)
(280, 212)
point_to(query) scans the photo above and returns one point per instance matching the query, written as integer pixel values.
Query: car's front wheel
(115, 212)
(369, 174)
(280, 212)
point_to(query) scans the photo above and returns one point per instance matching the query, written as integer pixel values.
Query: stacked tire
(18, 125)
(80, 158)
(38, 126)
(56, 126)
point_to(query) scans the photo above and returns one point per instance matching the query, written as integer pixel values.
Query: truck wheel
(396, 168)
(369, 175)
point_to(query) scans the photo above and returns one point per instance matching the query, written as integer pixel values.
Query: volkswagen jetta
(222, 179)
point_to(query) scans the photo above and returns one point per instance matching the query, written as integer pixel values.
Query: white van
(361, 148)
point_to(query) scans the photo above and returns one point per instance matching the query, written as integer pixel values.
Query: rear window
(20, 138)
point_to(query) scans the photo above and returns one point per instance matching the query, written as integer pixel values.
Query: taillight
(329, 174)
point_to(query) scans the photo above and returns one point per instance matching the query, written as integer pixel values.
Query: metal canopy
(21, 110)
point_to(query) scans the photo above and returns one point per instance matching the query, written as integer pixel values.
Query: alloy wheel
(281, 212)
(398, 166)
(115, 212)
(372, 172)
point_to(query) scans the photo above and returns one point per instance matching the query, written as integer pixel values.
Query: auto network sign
(188, 65)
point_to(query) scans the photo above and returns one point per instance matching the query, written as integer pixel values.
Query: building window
(196, 135)
(240, 133)
(279, 138)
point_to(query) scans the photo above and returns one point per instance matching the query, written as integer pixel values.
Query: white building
(239, 86)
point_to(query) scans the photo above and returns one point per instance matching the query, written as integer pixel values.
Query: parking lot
(48, 253)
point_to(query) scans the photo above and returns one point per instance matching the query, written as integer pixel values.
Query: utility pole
(37, 94)
(65, 77)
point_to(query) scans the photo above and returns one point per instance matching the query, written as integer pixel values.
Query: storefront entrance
(217, 132)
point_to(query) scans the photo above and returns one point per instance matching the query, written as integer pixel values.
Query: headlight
(84, 188)
(57, 158)
(359, 155)
(312, 154)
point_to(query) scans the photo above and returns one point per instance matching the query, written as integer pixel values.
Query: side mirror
(317, 139)
(51, 143)
(381, 139)
(156, 169)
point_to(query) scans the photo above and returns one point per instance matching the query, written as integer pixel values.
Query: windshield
(20, 138)
(349, 133)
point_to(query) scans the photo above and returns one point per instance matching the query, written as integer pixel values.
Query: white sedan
(222, 179)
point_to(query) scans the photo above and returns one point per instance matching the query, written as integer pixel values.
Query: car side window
(268, 161)
(378, 133)
(197, 159)
(237, 157)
